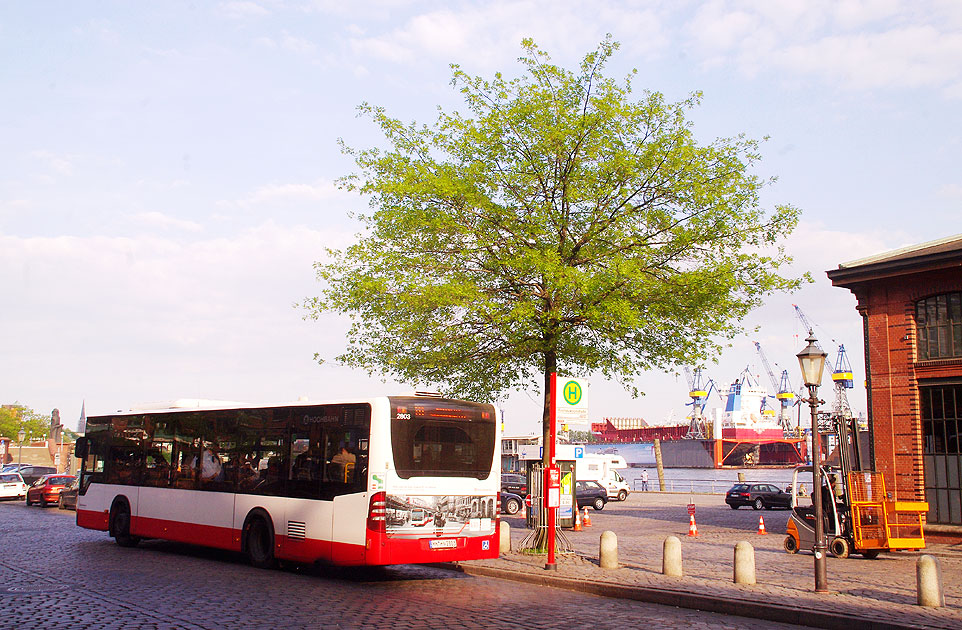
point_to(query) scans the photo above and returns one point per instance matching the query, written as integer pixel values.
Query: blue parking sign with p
(579, 452)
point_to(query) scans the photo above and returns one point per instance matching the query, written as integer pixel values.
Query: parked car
(758, 495)
(12, 468)
(47, 489)
(590, 493)
(68, 496)
(515, 483)
(31, 473)
(12, 486)
(511, 503)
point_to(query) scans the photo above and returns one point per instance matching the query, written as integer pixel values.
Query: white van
(603, 469)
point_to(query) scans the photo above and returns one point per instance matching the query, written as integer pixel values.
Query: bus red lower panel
(387, 550)
(92, 519)
(303, 550)
(192, 533)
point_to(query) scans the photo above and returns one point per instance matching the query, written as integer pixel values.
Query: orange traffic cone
(577, 521)
(692, 528)
(587, 518)
(761, 526)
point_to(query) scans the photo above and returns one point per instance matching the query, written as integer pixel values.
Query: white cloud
(858, 44)
(488, 35)
(159, 220)
(297, 45)
(273, 194)
(241, 10)
(953, 192)
(122, 320)
(61, 164)
(899, 58)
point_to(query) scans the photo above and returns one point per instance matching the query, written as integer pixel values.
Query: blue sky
(167, 169)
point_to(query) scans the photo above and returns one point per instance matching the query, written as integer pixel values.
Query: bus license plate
(446, 543)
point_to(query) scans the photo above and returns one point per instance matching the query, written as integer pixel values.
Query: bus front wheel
(120, 525)
(260, 543)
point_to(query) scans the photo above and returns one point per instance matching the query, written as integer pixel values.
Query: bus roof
(200, 404)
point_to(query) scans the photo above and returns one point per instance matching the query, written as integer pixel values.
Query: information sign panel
(553, 486)
(572, 403)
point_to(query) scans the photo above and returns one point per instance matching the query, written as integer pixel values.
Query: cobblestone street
(56, 575)
(645, 519)
(883, 589)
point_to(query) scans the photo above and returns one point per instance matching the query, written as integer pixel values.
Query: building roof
(937, 254)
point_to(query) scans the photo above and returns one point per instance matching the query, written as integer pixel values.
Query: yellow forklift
(860, 515)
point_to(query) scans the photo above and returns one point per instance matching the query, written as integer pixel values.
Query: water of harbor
(707, 480)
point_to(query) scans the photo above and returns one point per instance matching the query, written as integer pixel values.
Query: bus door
(346, 477)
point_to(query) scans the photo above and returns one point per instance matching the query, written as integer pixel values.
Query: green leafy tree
(12, 417)
(561, 225)
(578, 437)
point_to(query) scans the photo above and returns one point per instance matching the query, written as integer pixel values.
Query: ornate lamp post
(812, 361)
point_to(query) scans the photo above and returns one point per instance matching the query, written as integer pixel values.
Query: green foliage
(34, 424)
(559, 225)
(581, 437)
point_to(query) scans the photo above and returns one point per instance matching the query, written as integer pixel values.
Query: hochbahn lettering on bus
(297, 482)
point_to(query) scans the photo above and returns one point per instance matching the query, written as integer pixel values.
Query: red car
(47, 489)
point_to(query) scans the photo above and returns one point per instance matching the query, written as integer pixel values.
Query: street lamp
(812, 361)
(21, 434)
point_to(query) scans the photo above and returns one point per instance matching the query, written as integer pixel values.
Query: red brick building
(911, 306)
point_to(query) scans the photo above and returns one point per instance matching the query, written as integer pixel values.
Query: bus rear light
(377, 513)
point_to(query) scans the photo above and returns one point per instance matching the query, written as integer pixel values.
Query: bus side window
(93, 465)
(158, 457)
(212, 465)
(123, 465)
(347, 467)
(185, 464)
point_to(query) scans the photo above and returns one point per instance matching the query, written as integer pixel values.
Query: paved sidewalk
(880, 593)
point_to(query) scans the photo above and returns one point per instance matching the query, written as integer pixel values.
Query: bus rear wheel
(260, 543)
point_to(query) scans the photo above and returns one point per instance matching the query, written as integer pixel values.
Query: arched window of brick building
(938, 321)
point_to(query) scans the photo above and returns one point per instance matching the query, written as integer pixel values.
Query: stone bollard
(671, 557)
(928, 579)
(608, 554)
(504, 545)
(744, 563)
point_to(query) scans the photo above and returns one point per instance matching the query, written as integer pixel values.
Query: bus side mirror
(81, 448)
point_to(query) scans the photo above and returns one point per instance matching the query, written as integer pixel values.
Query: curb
(683, 599)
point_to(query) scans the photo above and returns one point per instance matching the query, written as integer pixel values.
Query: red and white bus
(390, 480)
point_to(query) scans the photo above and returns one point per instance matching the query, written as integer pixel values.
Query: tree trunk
(550, 367)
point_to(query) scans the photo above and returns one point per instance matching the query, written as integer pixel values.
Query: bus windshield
(435, 438)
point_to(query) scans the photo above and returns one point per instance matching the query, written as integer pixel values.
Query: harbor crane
(698, 390)
(783, 389)
(844, 380)
(842, 375)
